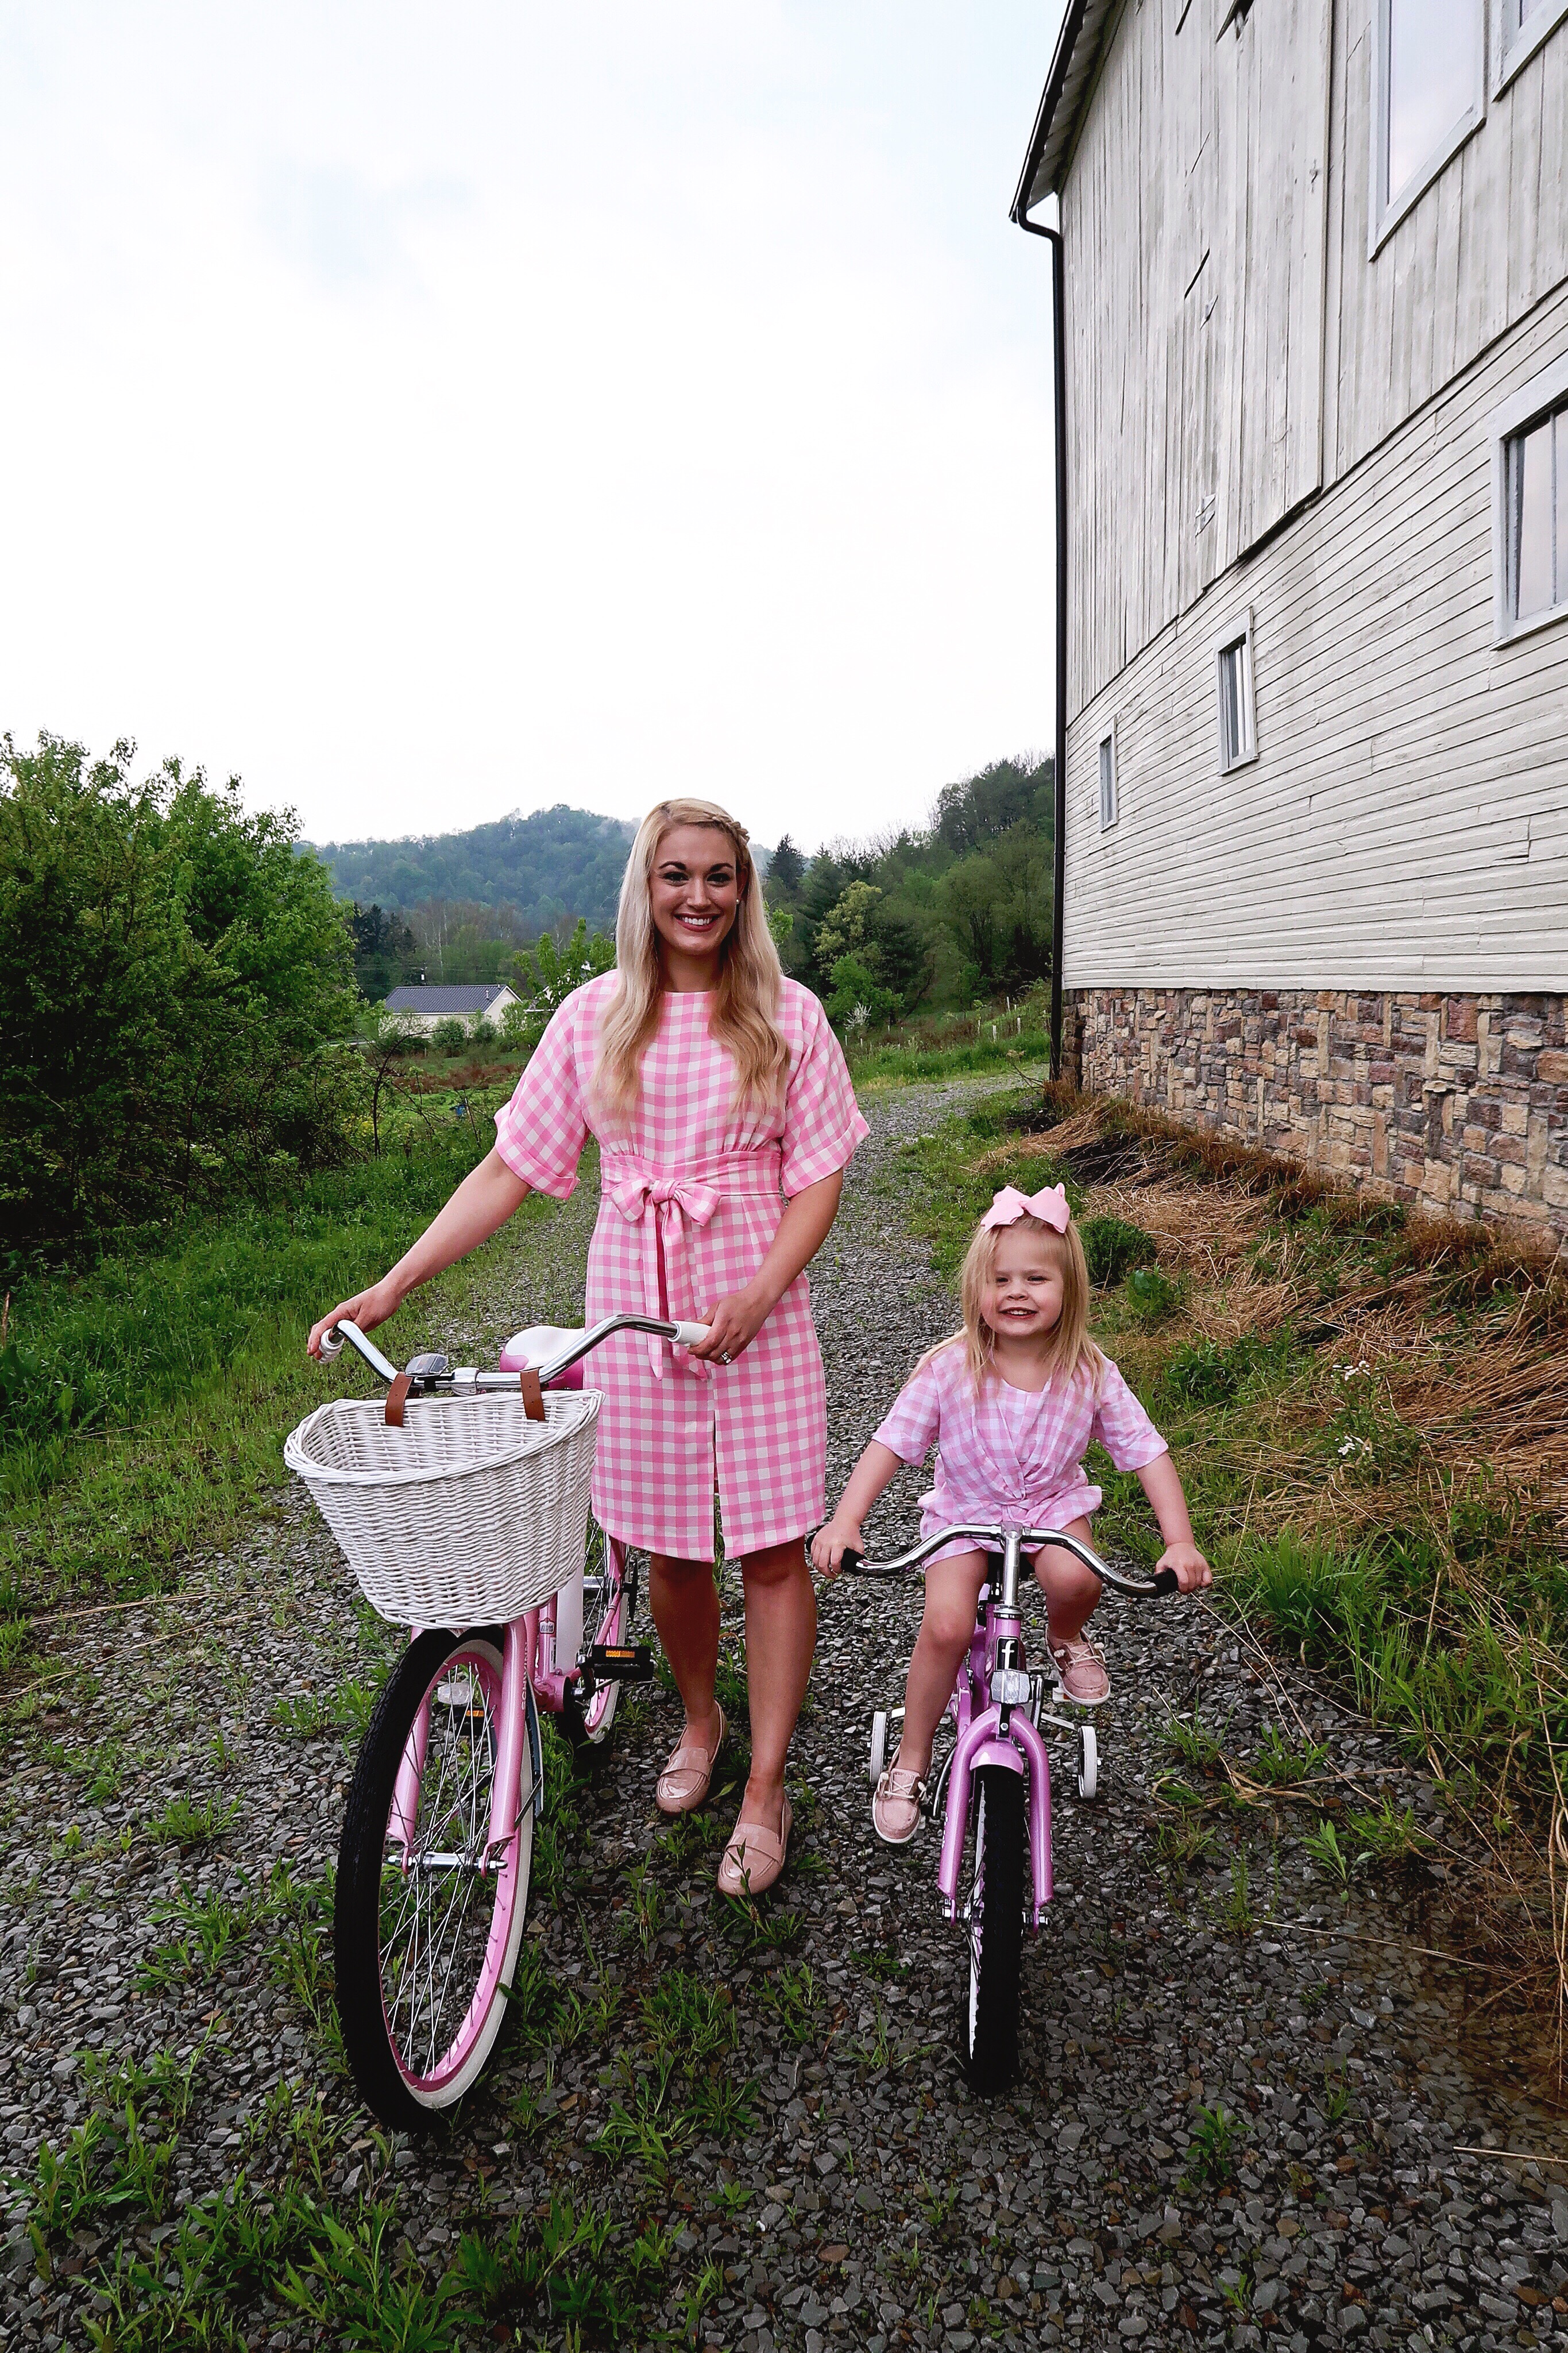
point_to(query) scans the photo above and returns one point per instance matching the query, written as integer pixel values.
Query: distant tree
(390, 1038)
(845, 929)
(785, 873)
(385, 950)
(985, 807)
(997, 905)
(546, 977)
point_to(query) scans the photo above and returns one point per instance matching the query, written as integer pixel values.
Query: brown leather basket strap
(396, 1399)
(532, 1396)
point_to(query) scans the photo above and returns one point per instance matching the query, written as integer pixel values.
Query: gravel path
(863, 2200)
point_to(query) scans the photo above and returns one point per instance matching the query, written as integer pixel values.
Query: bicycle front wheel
(428, 1916)
(995, 1921)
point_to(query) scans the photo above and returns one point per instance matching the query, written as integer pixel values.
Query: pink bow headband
(1050, 1206)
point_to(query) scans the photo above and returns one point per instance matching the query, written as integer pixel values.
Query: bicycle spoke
(429, 1936)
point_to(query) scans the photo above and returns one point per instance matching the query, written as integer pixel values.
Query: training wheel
(876, 1764)
(1088, 1761)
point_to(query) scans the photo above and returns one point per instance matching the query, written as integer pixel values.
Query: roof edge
(1069, 89)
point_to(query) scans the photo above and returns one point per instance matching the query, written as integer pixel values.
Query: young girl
(1013, 1400)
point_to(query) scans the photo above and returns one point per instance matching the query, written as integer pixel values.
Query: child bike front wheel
(428, 1912)
(996, 1920)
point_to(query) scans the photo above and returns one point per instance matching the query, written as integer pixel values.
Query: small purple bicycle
(992, 1789)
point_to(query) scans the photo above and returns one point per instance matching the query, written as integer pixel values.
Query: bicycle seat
(538, 1345)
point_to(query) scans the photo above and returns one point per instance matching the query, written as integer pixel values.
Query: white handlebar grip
(333, 1341)
(690, 1336)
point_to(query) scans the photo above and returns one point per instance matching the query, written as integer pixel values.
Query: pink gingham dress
(692, 1198)
(1005, 1456)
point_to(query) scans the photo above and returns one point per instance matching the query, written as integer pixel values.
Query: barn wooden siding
(1231, 346)
(1405, 823)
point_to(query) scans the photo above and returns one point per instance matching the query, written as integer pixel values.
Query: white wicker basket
(467, 1514)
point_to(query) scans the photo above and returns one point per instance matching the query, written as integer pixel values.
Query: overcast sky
(429, 412)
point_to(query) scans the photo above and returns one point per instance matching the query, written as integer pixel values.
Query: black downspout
(1059, 879)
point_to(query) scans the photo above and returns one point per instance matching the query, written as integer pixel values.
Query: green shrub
(176, 991)
(450, 1035)
(1113, 1247)
(1153, 1296)
(1202, 1372)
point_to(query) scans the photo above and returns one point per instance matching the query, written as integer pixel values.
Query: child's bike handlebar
(1165, 1580)
(428, 1375)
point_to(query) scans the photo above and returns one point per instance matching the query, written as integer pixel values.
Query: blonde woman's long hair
(1071, 1350)
(743, 1015)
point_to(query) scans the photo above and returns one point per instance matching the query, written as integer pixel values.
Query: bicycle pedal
(620, 1663)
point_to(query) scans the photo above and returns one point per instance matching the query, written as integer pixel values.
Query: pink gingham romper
(690, 1199)
(1006, 1457)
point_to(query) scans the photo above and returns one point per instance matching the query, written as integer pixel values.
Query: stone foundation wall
(1459, 1104)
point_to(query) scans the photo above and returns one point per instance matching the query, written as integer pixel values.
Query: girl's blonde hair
(743, 1015)
(1070, 1350)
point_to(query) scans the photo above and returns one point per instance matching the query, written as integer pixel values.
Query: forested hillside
(558, 861)
(954, 911)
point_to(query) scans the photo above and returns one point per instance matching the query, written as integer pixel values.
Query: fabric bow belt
(668, 1207)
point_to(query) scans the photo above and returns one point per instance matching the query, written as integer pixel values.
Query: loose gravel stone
(872, 2203)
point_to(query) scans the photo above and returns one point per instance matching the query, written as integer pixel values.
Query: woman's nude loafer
(896, 1807)
(754, 1856)
(688, 1772)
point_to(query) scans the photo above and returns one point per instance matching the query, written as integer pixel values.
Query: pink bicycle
(468, 1521)
(992, 1789)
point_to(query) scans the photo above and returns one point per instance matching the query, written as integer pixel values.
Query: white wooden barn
(1314, 261)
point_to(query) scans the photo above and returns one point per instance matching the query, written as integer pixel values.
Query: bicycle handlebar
(427, 1373)
(1165, 1580)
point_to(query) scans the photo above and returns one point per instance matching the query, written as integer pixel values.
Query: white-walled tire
(876, 1764)
(1087, 1762)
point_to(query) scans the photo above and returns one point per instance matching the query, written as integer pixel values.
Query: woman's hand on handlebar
(372, 1307)
(734, 1323)
(832, 1541)
(1192, 1571)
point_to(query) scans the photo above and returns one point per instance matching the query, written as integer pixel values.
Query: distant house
(1314, 269)
(487, 1000)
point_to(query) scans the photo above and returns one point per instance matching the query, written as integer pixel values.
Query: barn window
(1519, 28)
(1237, 730)
(1530, 473)
(1428, 96)
(1107, 782)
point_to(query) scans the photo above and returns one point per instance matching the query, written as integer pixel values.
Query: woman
(725, 1116)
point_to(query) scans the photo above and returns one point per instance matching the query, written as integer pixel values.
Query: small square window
(1538, 517)
(1107, 782)
(1237, 734)
(1529, 470)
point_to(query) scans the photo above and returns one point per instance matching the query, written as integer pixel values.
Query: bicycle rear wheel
(427, 1916)
(610, 1600)
(995, 1915)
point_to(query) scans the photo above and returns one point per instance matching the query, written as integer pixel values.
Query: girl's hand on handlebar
(830, 1544)
(1192, 1570)
(372, 1307)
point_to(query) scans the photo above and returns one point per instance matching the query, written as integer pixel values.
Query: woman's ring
(723, 1355)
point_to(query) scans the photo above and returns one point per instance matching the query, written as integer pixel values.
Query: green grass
(158, 1383)
(896, 1065)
